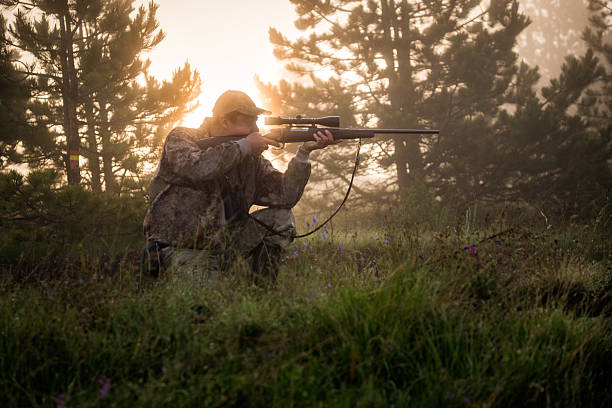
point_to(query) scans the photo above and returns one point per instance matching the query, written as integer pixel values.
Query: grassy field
(461, 314)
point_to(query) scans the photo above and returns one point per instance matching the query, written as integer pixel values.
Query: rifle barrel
(405, 131)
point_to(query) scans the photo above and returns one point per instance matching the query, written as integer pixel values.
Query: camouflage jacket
(186, 203)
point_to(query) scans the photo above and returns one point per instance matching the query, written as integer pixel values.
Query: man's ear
(222, 122)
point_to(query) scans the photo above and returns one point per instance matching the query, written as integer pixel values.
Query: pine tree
(123, 116)
(555, 159)
(54, 48)
(598, 36)
(548, 147)
(429, 64)
(87, 61)
(20, 140)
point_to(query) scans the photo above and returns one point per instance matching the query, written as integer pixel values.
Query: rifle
(301, 129)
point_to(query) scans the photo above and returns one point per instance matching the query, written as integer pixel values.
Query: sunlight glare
(227, 48)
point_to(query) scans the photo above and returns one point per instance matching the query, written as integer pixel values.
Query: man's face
(242, 125)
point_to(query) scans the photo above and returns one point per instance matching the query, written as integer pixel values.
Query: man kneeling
(204, 185)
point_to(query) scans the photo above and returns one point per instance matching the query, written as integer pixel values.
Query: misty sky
(226, 41)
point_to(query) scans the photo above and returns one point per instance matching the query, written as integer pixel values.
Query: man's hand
(323, 138)
(259, 144)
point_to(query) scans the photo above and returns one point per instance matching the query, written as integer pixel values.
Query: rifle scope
(329, 121)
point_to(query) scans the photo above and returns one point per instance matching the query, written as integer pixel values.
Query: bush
(42, 218)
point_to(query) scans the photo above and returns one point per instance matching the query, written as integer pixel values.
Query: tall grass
(462, 313)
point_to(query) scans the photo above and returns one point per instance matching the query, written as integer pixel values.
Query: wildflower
(307, 224)
(329, 285)
(296, 254)
(104, 386)
(314, 219)
(326, 230)
(414, 234)
(324, 236)
(310, 247)
(295, 246)
(339, 248)
(304, 244)
(472, 250)
(387, 240)
(376, 239)
(61, 400)
(394, 212)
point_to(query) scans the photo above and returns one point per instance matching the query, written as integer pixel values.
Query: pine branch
(40, 74)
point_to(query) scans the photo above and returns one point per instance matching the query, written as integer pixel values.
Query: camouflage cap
(236, 101)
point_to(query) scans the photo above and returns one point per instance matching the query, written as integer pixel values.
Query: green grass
(415, 318)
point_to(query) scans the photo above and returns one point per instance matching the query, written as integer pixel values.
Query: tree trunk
(107, 153)
(93, 156)
(407, 155)
(69, 99)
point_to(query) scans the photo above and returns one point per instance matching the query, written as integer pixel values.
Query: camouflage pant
(246, 239)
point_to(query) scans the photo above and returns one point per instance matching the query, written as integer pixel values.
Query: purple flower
(326, 230)
(61, 400)
(387, 240)
(472, 250)
(304, 244)
(296, 254)
(414, 234)
(295, 246)
(376, 239)
(394, 212)
(307, 224)
(329, 285)
(339, 248)
(324, 236)
(314, 219)
(104, 386)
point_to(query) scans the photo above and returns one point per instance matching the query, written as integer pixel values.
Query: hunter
(198, 221)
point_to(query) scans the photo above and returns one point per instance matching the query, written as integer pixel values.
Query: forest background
(471, 268)
(83, 121)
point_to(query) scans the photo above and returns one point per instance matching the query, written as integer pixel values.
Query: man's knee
(279, 219)
(272, 226)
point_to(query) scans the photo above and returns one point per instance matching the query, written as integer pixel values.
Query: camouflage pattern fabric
(204, 266)
(186, 209)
